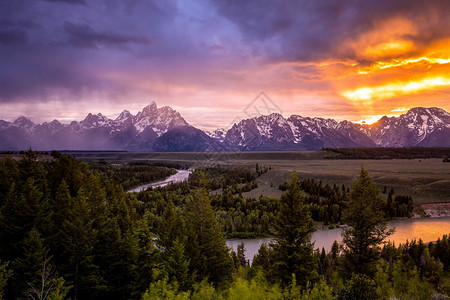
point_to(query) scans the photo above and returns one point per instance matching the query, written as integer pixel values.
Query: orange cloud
(396, 89)
(405, 63)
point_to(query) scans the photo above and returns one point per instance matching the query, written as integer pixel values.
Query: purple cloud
(82, 35)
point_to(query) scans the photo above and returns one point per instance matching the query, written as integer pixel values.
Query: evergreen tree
(367, 227)
(11, 225)
(62, 204)
(147, 256)
(241, 254)
(28, 266)
(5, 274)
(171, 242)
(78, 241)
(292, 248)
(206, 243)
(262, 259)
(176, 264)
(117, 250)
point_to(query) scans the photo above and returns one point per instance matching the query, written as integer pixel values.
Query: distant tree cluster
(237, 180)
(327, 202)
(387, 153)
(132, 175)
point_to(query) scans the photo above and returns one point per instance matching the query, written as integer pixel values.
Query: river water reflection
(405, 229)
(181, 175)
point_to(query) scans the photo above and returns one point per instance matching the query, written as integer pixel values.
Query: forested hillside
(70, 231)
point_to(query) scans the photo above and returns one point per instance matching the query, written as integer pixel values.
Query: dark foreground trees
(206, 245)
(89, 239)
(367, 226)
(292, 248)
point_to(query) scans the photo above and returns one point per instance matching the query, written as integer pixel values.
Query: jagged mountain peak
(218, 134)
(149, 110)
(159, 119)
(55, 122)
(23, 121)
(125, 115)
(97, 120)
(91, 117)
(427, 110)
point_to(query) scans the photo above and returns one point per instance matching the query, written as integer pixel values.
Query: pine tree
(206, 243)
(78, 241)
(5, 274)
(176, 264)
(262, 259)
(367, 227)
(28, 265)
(241, 254)
(146, 256)
(172, 242)
(292, 248)
(117, 250)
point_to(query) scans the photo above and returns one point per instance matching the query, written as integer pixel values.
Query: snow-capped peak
(149, 110)
(125, 115)
(23, 122)
(97, 120)
(218, 134)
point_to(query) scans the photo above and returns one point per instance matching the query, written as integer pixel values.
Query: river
(428, 230)
(181, 175)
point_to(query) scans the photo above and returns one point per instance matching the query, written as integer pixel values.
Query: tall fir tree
(367, 226)
(292, 247)
(206, 243)
(28, 266)
(78, 241)
(172, 242)
(5, 274)
(117, 250)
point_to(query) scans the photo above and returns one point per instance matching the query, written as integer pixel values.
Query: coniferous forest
(68, 230)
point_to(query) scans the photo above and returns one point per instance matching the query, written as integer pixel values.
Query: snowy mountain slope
(164, 129)
(418, 127)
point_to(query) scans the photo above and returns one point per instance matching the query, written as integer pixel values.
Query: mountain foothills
(165, 130)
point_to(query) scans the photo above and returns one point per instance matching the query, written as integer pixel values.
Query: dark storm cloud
(69, 1)
(13, 36)
(82, 35)
(50, 50)
(46, 48)
(314, 30)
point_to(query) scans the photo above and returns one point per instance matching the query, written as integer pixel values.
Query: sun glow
(389, 48)
(395, 89)
(402, 63)
(369, 120)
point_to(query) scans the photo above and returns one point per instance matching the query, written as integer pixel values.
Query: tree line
(387, 153)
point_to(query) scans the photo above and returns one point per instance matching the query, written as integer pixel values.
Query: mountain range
(165, 130)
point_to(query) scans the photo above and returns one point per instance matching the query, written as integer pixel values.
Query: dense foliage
(70, 231)
(133, 174)
(233, 180)
(326, 202)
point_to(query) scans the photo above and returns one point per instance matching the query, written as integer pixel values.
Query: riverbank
(431, 210)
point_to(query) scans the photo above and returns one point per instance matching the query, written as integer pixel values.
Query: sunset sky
(353, 60)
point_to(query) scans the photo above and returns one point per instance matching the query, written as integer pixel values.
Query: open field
(426, 180)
